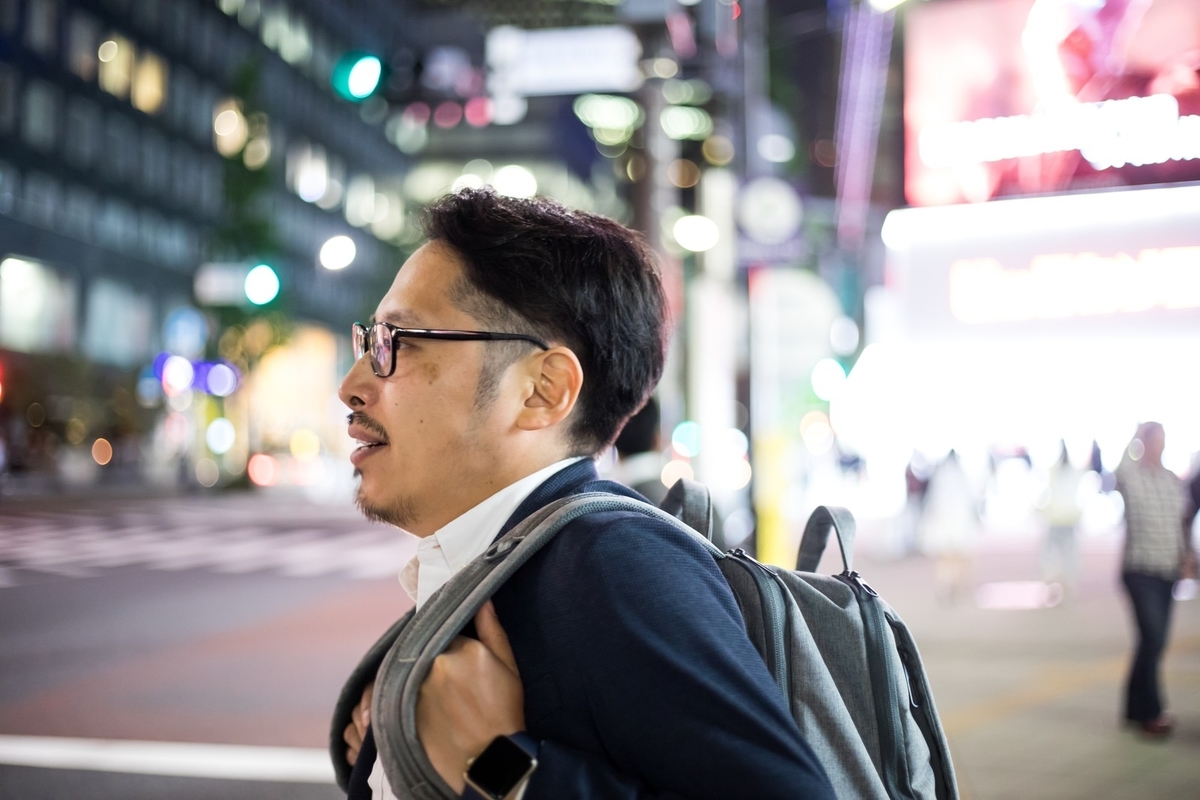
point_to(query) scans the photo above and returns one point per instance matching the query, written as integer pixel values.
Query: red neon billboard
(1018, 97)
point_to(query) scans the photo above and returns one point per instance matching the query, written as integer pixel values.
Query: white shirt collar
(443, 553)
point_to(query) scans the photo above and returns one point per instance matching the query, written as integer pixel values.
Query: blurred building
(141, 139)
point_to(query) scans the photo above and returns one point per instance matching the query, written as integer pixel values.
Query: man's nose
(359, 385)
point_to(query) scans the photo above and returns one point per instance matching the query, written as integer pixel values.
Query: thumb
(493, 637)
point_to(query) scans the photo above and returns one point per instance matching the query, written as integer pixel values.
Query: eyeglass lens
(376, 342)
(380, 340)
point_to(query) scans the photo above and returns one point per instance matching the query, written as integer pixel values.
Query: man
(618, 650)
(1157, 553)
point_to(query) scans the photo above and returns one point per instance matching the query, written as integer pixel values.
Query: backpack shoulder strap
(351, 696)
(690, 502)
(446, 613)
(816, 536)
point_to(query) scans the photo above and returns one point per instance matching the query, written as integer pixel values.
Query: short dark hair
(569, 277)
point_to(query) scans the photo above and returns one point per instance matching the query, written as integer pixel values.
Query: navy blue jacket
(639, 678)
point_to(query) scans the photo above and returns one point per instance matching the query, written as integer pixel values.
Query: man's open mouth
(367, 438)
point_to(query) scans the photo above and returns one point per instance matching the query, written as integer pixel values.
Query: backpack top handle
(690, 502)
(816, 536)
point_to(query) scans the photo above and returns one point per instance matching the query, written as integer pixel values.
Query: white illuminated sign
(1074, 285)
(600, 58)
(1135, 131)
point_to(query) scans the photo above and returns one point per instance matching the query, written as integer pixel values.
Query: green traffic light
(357, 75)
(262, 285)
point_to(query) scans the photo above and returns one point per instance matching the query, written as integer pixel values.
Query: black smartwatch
(501, 769)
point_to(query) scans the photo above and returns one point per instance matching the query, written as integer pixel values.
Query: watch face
(500, 767)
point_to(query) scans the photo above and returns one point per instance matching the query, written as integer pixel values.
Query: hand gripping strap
(429, 633)
(816, 536)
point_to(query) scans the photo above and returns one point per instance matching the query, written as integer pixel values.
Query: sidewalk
(1031, 699)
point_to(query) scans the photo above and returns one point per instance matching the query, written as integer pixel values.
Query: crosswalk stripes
(241, 535)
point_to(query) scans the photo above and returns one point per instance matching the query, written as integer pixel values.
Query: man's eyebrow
(402, 319)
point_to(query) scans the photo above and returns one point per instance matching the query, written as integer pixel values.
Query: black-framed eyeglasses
(379, 341)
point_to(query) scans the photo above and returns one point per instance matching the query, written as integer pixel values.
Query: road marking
(294, 542)
(225, 761)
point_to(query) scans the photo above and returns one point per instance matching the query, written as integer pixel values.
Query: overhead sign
(1066, 265)
(1013, 97)
(570, 61)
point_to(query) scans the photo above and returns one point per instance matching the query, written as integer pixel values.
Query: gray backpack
(846, 662)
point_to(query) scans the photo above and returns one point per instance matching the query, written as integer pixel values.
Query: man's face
(430, 447)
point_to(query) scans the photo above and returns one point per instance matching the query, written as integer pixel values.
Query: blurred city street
(232, 620)
(933, 261)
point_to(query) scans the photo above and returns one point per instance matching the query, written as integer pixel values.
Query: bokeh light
(515, 181)
(696, 233)
(816, 432)
(177, 375)
(207, 472)
(220, 435)
(262, 285)
(674, 470)
(221, 380)
(686, 439)
(304, 444)
(843, 336)
(337, 253)
(263, 470)
(828, 378)
(102, 451)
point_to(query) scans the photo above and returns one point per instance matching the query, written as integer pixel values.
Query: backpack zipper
(883, 689)
(765, 580)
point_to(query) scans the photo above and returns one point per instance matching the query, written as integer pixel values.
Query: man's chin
(399, 512)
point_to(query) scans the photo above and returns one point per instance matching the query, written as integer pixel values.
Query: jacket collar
(567, 481)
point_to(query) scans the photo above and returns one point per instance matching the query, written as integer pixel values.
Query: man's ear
(556, 378)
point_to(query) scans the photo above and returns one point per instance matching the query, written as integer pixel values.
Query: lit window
(40, 117)
(37, 307)
(83, 42)
(149, 84)
(120, 151)
(117, 57)
(83, 132)
(42, 200)
(119, 324)
(9, 186)
(79, 213)
(41, 26)
(8, 99)
(154, 162)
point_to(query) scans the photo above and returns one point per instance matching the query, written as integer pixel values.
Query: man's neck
(487, 484)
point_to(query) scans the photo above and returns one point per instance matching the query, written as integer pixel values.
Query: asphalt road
(228, 620)
(227, 624)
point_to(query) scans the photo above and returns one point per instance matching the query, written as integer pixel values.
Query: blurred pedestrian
(916, 484)
(1157, 553)
(1063, 510)
(949, 528)
(639, 454)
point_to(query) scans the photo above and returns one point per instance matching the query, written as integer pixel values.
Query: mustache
(368, 424)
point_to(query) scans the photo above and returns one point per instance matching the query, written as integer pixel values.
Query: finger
(363, 717)
(493, 637)
(351, 755)
(352, 737)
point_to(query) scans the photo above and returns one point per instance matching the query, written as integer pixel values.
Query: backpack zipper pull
(859, 582)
